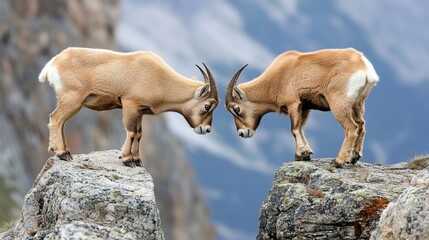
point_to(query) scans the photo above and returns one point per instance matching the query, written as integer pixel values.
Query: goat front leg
(66, 108)
(131, 118)
(302, 151)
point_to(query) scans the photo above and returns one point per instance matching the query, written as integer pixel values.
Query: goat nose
(241, 134)
(208, 130)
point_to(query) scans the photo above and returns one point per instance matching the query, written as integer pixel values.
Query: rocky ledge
(94, 196)
(312, 200)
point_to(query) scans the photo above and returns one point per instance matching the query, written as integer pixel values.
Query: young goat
(337, 80)
(138, 82)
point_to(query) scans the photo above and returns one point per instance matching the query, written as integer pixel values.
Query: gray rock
(94, 196)
(312, 200)
(408, 216)
(82, 230)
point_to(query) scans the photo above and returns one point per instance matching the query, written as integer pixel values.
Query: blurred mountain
(235, 173)
(31, 33)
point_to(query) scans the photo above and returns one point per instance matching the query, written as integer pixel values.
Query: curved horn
(228, 94)
(213, 88)
(206, 79)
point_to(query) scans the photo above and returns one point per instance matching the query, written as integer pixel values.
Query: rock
(82, 230)
(408, 216)
(31, 33)
(184, 211)
(312, 200)
(93, 196)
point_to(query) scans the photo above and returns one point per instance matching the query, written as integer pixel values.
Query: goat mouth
(246, 133)
(202, 130)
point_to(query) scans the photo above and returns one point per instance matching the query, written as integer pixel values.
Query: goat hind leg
(358, 147)
(130, 119)
(136, 143)
(343, 112)
(295, 115)
(66, 108)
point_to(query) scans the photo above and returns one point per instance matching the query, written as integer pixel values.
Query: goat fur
(337, 80)
(138, 82)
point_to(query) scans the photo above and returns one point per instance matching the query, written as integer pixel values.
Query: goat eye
(208, 107)
(237, 110)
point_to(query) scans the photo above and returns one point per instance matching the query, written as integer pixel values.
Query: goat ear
(238, 93)
(202, 91)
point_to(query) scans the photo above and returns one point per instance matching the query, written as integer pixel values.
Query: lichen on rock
(94, 196)
(408, 216)
(310, 200)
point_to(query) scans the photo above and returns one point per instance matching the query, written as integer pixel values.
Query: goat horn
(206, 79)
(228, 94)
(213, 88)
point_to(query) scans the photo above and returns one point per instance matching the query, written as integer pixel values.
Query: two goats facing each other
(138, 82)
(337, 80)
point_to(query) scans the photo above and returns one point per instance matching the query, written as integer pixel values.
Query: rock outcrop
(312, 200)
(32, 32)
(94, 196)
(408, 216)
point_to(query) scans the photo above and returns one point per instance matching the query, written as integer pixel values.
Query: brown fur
(138, 82)
(296, 83)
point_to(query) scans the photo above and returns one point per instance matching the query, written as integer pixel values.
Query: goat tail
(43, 76)
(371, 74)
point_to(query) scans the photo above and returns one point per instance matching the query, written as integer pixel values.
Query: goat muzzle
(203, 129)
(246, 133)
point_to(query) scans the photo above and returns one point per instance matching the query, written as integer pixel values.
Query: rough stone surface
(82, 230)
(312, 200)
(93, 196)
(183, 208)
(31, 33)
(408, 216)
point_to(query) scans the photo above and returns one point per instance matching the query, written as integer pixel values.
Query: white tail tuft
(43, 76)
(370, 71)
(50, 73)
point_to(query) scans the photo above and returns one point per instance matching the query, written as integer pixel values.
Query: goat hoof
(355, 159)
(335, 164)
(138, 162)
(129, 162)
(305, 156)
(66, 156)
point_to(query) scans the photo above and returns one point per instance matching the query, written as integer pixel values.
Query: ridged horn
(206, 79)
(213, 88)
(229, 88)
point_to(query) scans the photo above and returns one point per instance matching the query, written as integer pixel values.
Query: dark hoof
(138, 162)
(355, 159)
(305, 156)
(129, 163)
(335, 164)
(66, 156)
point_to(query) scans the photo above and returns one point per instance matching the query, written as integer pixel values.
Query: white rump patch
(356, 83)
(54, 78)
(372, 74)
(50, 73)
